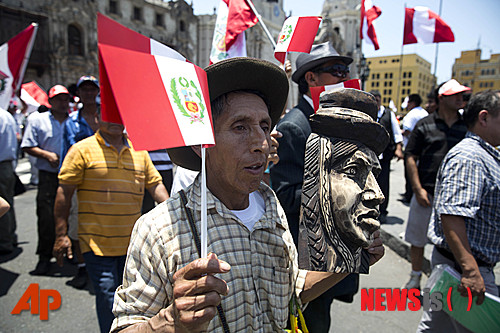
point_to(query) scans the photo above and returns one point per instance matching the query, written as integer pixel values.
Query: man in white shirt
(416, 112)
(387, 118)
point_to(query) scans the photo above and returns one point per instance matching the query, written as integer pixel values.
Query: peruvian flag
(316, 91)
(233, 18)
(34, 96)
(14, 56)
(424, 26)
(369, 13)
(161, 98)
(297, 35)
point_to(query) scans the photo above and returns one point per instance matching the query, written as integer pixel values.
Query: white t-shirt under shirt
(255, 210)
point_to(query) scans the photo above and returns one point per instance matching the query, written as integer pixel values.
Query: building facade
(396, 77)
(479, 74)
(66, 44)
(340, 27)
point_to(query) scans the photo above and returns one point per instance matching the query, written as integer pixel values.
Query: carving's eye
(351, 171)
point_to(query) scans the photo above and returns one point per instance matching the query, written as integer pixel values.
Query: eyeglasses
(338, 70)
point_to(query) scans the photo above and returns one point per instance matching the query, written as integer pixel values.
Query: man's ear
(310, 79)
(482, 117)
(197, 150)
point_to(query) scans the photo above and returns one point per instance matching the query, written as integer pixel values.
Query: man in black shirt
(430, 140)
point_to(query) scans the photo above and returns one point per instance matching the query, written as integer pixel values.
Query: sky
(472, 22)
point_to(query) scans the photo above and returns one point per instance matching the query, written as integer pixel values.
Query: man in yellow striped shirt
(110, 177)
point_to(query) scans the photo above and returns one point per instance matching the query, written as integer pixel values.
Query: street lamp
(364, 71)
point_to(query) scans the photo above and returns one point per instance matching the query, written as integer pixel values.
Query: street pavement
(77, 311)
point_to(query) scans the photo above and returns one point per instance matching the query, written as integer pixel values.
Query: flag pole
(437, 44)
(262, 24)
(26, 58)
(398, 103)
(203, 225)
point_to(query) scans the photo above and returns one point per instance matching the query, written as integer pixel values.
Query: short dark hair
(218, 104)
(433, 95)
(415, 98)
(485, 100)
(375, 93)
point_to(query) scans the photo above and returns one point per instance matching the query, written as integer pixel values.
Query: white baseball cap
(452, 87)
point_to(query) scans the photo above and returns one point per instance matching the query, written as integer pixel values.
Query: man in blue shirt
(465, 221)
(42, 139)
(8, 148)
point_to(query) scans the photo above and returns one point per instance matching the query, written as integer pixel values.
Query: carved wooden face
(352, 196)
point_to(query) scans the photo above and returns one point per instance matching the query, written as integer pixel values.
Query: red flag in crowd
(233, 18)
(316, 91)
(34, 96)
(297, 35)
(424, 26)
(14, 56)
(162, 99)
(369, 13)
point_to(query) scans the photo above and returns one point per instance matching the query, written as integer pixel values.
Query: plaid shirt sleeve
(144, 290)
(460, 187)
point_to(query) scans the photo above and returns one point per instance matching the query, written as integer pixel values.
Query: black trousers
(45, 199)
(8, 237)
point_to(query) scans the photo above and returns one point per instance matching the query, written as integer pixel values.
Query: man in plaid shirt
(465, 223)
(166, 286)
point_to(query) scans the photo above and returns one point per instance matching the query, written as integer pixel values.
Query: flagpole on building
(398, 103)
(261, 22)
(437, 44)
(26, 58)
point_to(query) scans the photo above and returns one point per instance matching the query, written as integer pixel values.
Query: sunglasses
(338, 70)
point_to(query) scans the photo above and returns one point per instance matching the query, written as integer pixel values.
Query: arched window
(75, 44)
(182, 25)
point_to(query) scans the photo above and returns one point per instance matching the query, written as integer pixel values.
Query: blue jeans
(106, 274)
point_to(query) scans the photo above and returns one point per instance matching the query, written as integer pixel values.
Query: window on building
(409, 74)
(373, 84)
(404, 74)
(385, 100)
(390, 75)
(378, 84)
(385, 83)
(137, 15)
(378, 75)
(159, 20)
(493, 72)
(389, 92)
(483, 72)
(373, 76)
(75, 45)
(386, 75)
(113, 6)
(380, 62)
(385, 91)
(480, 84)
(409, 83)
(182, 25)
(390, 83)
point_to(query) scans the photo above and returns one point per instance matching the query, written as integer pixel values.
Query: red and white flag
(233, 18)
(422, 25)
(14, 56)
(369, 13)
(297, 35)
(161, 98)
(34, 96)
(316, 91)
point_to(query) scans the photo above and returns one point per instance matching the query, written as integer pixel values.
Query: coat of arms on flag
(184, 90)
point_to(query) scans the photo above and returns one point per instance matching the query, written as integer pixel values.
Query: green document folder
(480, 318)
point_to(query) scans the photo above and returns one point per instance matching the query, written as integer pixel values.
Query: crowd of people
(146, 270)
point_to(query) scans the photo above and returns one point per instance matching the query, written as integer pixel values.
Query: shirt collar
(486, 146)
(267, 221)
(102, 141)
(309, 100)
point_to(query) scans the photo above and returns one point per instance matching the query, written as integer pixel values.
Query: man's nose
(372, 194)
(259, 140)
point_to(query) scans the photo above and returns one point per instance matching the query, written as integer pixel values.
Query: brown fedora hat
(350, 114)
(236, 74)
